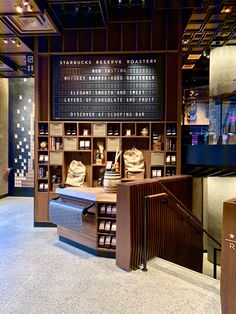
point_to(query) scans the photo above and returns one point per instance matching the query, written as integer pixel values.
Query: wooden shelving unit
(61, 142)
(98, 234)
(106, 220)
(60, 148)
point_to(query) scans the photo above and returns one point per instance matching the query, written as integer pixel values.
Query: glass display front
(208, 121)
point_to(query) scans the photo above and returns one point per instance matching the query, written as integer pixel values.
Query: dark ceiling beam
(178, 4)
(9, 62)
(42, 4)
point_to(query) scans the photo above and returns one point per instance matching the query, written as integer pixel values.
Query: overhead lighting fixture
(25, 6)
(18, 43)
(6, 41)
(226, 10)
(18, 8)
(29, 8)
(13, 40)
(206, 55)
(188, 66)
(185, 41)
(194, 56)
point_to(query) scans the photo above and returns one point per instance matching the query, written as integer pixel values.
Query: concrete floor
(39, 274)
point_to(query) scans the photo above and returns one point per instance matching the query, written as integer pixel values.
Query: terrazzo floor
(39, 274)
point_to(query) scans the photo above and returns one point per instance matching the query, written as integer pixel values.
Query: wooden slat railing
(172, 231)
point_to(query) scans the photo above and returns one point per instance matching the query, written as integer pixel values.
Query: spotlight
(13, 40)
(206, 54)
(29, 8)
(18, 43)
(25, 2)
(185, 41)
(5, 40)
(226, 10)
(19, 8)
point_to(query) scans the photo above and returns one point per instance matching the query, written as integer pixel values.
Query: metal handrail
(188, 215)
(187, 212)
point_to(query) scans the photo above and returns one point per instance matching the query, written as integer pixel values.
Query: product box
(113, 144)
(56, 129)
(157, 159)
(56, 158)
(70, 143)
(99, 129)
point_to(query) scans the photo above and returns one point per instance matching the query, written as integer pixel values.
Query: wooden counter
(87, 194)
(90, 237)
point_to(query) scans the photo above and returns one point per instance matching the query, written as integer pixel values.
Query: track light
(18, 8)
(185, 41)
(26, 6)
(13, 40)
(29, 8)
(226, 10)
(206, 55)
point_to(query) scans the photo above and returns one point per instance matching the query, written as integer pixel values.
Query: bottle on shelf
(110, 131)
(173, 130)
(41, 130)
(68, 130)
(116, 132)
(57, 143)
(168, 130)
(73, 130)
(156, 141)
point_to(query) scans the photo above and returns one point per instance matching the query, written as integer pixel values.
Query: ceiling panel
(4, 67)
(12, 74)
(12, 47)
(4, 30)
(31, 24)
(9, 6)
(20, 60)
(206, 23)
(78, 14)
(216, 21)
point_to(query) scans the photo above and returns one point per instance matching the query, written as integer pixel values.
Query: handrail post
(216, 250)
(145, 234)
(215, 261)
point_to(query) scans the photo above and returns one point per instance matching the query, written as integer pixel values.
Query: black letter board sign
(114, 87)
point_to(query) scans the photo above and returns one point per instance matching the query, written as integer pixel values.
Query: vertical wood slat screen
(169, 236)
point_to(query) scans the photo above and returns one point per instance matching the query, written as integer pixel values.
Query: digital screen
(114, 87)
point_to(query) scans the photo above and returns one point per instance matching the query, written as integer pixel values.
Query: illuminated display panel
(114, 87)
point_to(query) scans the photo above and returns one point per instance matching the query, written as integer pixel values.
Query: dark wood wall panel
(70, 42)
(114, 37)
(129, 35)
(172, 25)
(159, 32)
(56, 44)
(171, 83)
(43, 65)
(144, 36)
(99, 40)
(43, 43)
(85, 40)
